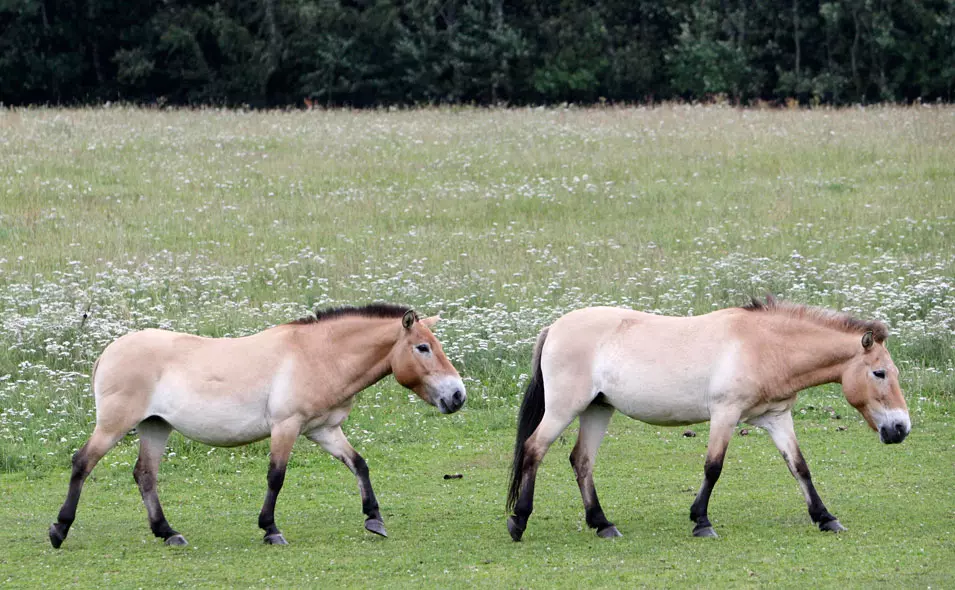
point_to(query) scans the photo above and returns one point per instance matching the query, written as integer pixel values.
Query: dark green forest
(403, 52)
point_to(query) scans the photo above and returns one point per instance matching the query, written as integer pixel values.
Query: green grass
(897, 502)
(222, 223)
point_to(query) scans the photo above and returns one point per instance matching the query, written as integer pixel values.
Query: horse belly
(658, 401)
(217, 420)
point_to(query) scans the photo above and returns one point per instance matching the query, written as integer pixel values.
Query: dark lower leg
(711, 473)
(333, 440)
(276, 477)
(145, 476)
(535, 447)
(721, 430)
(594, 514)
(817, 510)
(517, 523)
(67, 514)
(369, 504)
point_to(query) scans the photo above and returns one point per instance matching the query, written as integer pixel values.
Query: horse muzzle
(449, 395)
(894, 427)
(894, 433)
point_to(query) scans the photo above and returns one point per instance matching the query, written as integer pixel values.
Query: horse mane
(827, 317)
(372, 310)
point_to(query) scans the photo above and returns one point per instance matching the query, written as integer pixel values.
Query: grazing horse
(292, 379)
(740, 364)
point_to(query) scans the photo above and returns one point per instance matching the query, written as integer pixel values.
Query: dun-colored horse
(740, 364)
(297, 378)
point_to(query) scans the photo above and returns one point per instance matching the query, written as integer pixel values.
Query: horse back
(187, 379)
(660, 369)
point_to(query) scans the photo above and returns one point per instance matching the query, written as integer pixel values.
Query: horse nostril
(458, 397)
(894, 433)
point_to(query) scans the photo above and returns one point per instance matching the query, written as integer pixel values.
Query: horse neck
(802, 354)
(357, 348)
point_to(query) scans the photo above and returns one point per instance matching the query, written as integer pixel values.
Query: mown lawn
(897, 502)
(224, 222)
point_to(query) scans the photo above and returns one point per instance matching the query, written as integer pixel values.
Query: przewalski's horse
(296, 378)
(740, 364)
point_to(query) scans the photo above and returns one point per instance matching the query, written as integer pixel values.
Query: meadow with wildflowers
(222, 223)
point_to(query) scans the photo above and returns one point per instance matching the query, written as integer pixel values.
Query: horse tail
(529, 417)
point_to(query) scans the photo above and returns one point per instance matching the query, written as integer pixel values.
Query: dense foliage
(377, 52)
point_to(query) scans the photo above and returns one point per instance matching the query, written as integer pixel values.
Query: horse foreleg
(721, 430)
(153, 435)
(283, 438)
(535, 448)
(84, 460)
(593, 427)
(780, 428)
(333, 440)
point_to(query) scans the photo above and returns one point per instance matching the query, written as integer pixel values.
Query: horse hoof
(609, 532)
(706, 531)
(275, 539)
(833, 526)
(56, 537)
(177, 541)
(516, 531)
(375, 525)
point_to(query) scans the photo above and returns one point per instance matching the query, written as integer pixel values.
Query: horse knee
(360, 466)
(144, 476)
(532, 456)
(80, 462)
(275, 476)
(582, 466)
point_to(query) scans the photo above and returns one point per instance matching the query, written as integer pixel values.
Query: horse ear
(430, 322)
(867, 340)
(409, 319)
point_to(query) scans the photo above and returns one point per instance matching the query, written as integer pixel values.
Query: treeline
(384, 52)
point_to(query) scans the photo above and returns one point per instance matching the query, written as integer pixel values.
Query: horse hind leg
(84, 460)
(550, 427)
(153, 434)
(593, 427)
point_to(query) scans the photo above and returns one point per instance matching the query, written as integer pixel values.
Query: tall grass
(225, 222)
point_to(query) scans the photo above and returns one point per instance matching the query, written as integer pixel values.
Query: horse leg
(780, 428)
(84, 460)
(153, 434)
(550, 427)
(593, 426)
(333, 440)
(283, 439)
(721, 430)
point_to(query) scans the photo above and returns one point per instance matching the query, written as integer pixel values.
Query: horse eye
(880, 374)
(423, 348)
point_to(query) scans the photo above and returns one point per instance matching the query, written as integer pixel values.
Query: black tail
(530, 415)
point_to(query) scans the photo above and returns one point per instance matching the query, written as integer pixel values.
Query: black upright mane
(828, 317)
(372, 310)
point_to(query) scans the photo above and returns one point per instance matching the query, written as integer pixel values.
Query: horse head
(871, 384)
(418, 362)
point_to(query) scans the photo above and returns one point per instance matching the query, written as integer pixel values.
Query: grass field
(223, 223)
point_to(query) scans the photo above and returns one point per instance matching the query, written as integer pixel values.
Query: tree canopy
(387, 52)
